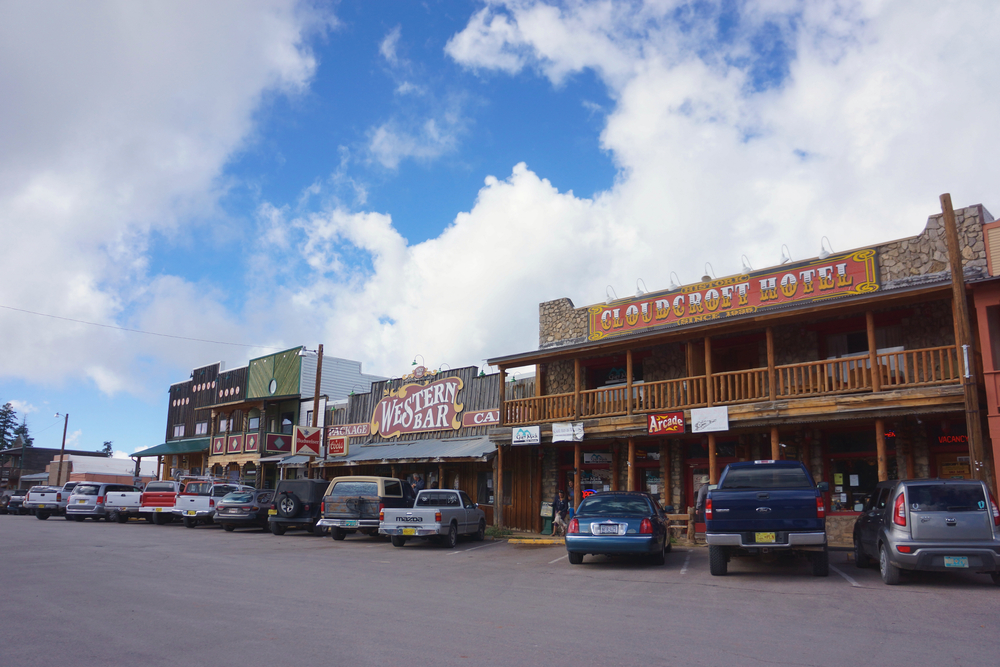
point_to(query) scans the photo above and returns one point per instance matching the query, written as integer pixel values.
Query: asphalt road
(89, 593)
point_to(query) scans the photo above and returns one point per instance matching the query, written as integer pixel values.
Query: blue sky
(393, 179)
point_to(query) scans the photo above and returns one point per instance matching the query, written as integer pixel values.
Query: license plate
(956, 561)
(607, 529)
(272, 512)
(350, 524)
(764, 537)
(158, 509)
(41, 507)
(191, 512)
(81, 502)
(409, 531)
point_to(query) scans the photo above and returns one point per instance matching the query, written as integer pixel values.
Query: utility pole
(319, 377)
(62, 450)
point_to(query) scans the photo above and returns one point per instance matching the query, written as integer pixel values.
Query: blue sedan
(618, 522)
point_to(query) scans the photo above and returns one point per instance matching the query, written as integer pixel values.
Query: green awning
(175, 447)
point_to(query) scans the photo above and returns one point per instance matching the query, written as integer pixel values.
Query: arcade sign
(666, 422)
(416, 408)
(814, 280)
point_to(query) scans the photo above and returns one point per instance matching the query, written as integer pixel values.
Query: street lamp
(62, 449)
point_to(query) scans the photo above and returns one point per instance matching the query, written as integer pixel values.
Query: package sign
(219, 445)
(417, 408)
(481, 418)
(802, 282)
(350, 429)
(709, 420)
(235, 444)
(337, 445)
(252, 443)
(278, 442)
(306, 440)
(666, 422)
(526, 435)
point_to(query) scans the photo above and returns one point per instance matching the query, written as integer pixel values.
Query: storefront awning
(296, 460)
(175, 447)
(415, 451)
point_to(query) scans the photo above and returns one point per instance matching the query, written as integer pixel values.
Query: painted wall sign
(666, 422)
(278, 442)
(219, 445)
(235, 444)
(709, 420)
(525, 435)
(252, 444)
(415, 408)
(350, 429)
(306, 440)
(568, 432)
(337, 445)
(481, 418)
(835, 276)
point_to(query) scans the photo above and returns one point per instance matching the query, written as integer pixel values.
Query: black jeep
(297, 505)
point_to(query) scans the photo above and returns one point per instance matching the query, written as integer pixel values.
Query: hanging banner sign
(278, 442)
(337, 445)
(802, 282)
(350, 429)
(526, 435)
(569, 432)
(709, 420)
(667, 422)
(481, 418)
(417, 408)
(306, 440)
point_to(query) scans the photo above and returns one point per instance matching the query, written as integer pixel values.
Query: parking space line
(684, 567)
(558, 559)
(845, 576)
(482, 546)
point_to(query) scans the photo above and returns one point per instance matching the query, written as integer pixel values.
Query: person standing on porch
(560, 510)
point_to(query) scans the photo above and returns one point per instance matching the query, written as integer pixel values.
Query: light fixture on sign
(639, 291)
(824, 252)
(746, 264)
(415, 360)
(675, 282)
(709, 273)
(786, 254)
(608, 292)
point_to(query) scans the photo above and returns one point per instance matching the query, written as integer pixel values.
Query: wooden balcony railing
(897, 370)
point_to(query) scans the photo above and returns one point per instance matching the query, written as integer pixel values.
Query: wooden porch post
(614, 467)
(708, 372)
(538, 393)
(872, 353)
(628, 386)
(503, 385)
(883, 471)
(499, 497)
(441, 476)
(576, 476)
(775, 444)
(667, 490)
(770, 364)
(630, 480)
(392, 470)
(713, 467)
(538, 490)
(576, 390)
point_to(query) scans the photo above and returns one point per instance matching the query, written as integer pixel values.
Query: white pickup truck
(122, 503)
(442, 514)
(48, 500)
(196, 503)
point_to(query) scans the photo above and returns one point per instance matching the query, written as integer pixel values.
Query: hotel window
(179, 430)
(201, 428)
(254, 423)
(225, 423)
(287, 423)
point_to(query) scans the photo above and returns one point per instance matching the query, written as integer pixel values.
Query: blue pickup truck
(764, 508)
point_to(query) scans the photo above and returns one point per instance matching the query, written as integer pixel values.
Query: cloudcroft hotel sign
(835, 276)
(415, 408)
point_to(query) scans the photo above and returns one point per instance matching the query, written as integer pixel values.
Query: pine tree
(108, 449)
(8, 422)
(22, 431)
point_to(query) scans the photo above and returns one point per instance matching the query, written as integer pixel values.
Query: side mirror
(823, 486)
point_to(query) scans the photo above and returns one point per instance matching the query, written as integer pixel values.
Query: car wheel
(995, 576)
(289, 505)
(190, 522)
(319, 531)
(67, 517)
(41, 516)
(451, 539)
(889, 572)
(149, 519)
(660, 557)
(397, 540)
(337, 533)
(821, 563)
(575, 558)
(159, 519)
(717, 564)
(79, 519)
(228, 527)
(667, 546)
(481, 532)
(277, 529)
(123, 517)
(113, 515)
(861, 559)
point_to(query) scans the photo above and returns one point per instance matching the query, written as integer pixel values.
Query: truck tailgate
(756, 510)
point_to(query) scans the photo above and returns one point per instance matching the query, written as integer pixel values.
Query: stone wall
(559, 378)
(793, 344)
(560, 323)
(927, 252)
(665, 362)
(930, 326)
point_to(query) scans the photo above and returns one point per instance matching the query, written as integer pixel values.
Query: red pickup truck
(156, 503)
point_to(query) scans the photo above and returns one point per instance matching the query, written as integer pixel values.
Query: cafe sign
(836, 276)
(417, 408)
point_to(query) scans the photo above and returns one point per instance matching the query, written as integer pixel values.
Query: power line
(139, 331)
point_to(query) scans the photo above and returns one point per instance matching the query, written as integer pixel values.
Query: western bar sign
(306, 440)
(416, 408)
(802, 282)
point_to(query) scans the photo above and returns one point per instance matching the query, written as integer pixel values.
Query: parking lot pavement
(138, 594)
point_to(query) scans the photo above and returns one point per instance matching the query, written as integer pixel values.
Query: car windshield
(439, 499)
(160, 486)
(772, 477)
(86, 490)
(614, 506)
(239, 497)
(354, 489)
(947, 498)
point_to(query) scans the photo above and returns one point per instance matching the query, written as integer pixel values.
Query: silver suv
(929, 524)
